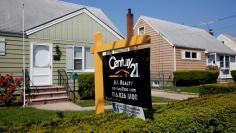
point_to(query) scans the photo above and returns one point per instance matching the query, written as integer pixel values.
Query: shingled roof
(187, 36)
(38, 12)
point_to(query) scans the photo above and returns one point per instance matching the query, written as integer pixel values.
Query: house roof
(39, 12)
(187, 37)
(232, 38)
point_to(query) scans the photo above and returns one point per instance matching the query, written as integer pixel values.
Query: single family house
(57, 36)
(180, 47)
(228, 40)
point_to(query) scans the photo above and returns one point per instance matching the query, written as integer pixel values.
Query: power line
(217, 20)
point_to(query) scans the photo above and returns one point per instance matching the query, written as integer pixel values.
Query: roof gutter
(12, 34)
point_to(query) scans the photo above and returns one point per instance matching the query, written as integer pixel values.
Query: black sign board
(126, 78)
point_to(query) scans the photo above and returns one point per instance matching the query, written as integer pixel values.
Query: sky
(219, 14)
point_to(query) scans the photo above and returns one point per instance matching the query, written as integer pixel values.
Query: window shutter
(2, 46)
(89, 62)
(198, 55)
(69, 59)
(183, 54)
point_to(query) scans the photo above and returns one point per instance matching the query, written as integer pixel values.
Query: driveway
(170, 95)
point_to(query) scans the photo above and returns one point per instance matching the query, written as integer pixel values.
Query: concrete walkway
(69, 106)
(66, 106)
(170, 95)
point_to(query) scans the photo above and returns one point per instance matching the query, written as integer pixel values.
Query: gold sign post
(97, 50)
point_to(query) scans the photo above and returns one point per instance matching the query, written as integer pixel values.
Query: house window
(2, 46)
(193, 55)
(141, 31)
(224, 61)
(78, 58)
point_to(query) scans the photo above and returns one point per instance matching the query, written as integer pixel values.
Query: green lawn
(216, 113)
(162, 100)
(189, 89)
(86, 103)
(90, 102)
(20, 115)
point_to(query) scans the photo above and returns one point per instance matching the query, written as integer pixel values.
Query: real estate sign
(127, 78)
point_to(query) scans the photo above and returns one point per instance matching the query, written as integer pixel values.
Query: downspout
(23, 43)
(174, 59)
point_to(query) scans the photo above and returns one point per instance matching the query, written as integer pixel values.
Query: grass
(91, 102)
(189, 89)
(19, 115)
(216, 113)
(162, 100)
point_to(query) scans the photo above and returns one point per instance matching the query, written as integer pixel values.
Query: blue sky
(189, 12)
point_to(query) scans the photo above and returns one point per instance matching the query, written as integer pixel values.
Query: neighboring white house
(228, 40)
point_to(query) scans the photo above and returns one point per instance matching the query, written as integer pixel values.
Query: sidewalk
(66, 106)
(69, 106)
(170, 95)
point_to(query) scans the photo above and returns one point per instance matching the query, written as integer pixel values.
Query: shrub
(233, 73)
(8, 84)
(217, 88)
(195, 77)
(213, 114)
(86, 86)
(211, 67)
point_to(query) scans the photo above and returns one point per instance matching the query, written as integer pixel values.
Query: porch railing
(63, 81)
(28, 81)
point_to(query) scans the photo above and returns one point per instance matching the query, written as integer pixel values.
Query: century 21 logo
(116, 63)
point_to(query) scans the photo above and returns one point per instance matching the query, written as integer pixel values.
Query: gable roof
(186, 36)
(232, 38)
(39, 12)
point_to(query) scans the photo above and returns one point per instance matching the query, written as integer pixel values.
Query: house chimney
(130, 23)
(211, 32)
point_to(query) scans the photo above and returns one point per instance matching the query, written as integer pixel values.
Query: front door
(41, 64)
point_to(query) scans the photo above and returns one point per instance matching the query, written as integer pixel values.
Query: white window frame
(79, 58)
(143, 30)
(82, 58)
(2, 41)
(224, 62)
(198, 55)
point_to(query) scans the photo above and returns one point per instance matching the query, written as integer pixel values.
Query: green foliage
(233, 73)
(86, 86)
(209, 89)
(195, 77)
(214, 114)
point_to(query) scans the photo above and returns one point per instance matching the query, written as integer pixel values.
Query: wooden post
(99, 92)
(97, 50)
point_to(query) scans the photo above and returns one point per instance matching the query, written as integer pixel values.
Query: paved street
(170, 95)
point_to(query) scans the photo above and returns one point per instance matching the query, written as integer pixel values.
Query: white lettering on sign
(114, 63)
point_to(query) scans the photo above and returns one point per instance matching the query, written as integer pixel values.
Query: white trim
(51, 62)
(162, 35)
(140, 28)
(174, 59)
(84, 69)
(70, 16)
(198, 55)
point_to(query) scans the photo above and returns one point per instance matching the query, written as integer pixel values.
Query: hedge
(211, 114)
(233, 74)
(195, 77)
(209, 89)
(86, 86)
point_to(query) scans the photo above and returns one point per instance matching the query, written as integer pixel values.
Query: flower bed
(8, 85)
